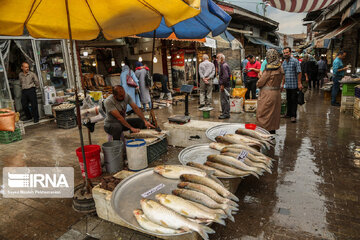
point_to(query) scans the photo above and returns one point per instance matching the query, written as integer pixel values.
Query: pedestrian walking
(224, 81)
(304, 76)
(269, 101)
(312, 72)
(291, 82)
(29, 82)
(243, 66)
(322, 70)
(127, 73)
(216, 78)
(252, 70)
(142, 74)
(207, 73)
(338, 74)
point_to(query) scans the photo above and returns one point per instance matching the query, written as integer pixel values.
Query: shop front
(46, 58)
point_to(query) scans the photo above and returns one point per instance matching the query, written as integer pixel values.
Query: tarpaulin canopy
(324, 42)
(211, 19)
(352, 10)
(264, 42)
(227, 40)
(300, 5)
(114, 18)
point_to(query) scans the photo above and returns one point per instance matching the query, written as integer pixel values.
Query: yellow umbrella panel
(115, 18)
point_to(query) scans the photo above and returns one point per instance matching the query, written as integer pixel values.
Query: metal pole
(6, 80)
(77, 99)
(152, 54)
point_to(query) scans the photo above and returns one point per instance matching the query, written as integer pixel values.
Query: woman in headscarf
(126, 71)
(269, 100)
(141, 71)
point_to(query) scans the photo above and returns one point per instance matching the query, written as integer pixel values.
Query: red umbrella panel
(299, 6)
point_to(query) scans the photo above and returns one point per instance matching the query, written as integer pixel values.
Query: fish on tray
(217, 172)
(205, 200)
(145, 223)
(175, 171)
(145, 133)
(188, 209)
(231, 170)
(166, 217)
(254, 134)
(249, 162)
(209, 183)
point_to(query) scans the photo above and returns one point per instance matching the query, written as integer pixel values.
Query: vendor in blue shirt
(338, 74)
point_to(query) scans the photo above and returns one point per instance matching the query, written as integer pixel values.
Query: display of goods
(73, 98)
(348, 89)
(109, 183)
(64, 106)
(250, 105)
(9, 137)
(7, 120)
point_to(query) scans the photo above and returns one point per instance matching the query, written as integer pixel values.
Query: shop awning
(355, 8)
(264, 42)
(212, 19)
(300, 5)
(224, 40)
(325, 40)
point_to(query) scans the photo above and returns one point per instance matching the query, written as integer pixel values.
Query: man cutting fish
(115, 122)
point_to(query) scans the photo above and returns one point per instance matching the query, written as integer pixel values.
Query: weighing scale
(181, 119)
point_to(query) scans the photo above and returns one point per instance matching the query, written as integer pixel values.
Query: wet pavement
(313, 192)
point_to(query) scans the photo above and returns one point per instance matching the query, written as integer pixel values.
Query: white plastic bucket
(136, 154)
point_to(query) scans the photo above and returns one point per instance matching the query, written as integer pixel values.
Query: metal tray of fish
(144, 184)
(228, 128)
(198, 154)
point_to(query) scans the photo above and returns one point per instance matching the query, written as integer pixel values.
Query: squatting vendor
(115, 122)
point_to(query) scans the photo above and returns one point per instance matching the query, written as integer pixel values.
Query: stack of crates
(348, 97)
(357, 102)
(66, 118)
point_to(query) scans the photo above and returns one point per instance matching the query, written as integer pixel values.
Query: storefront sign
(210, 42)
(178, 58)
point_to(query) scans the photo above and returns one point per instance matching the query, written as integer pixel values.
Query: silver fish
(205, 208)
(175, 171)
(254, 134)
(209, 183)
(207, 191)
(217, 146)
(248, 162)
(145, 223)
(159, 214)
(239, 138)
(231, 170)
(230, 140)
(187, 209)
(217, 172)
(251, 156)
(203, 199)
(232, 162)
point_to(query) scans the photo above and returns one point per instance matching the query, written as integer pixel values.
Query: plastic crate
(348, 89)
(155, 150)
(65, 114)
(357, 91)
(9, 137)
(66, 124)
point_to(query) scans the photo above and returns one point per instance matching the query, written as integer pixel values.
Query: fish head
(183, 184)
(210, 157)
(138, 212)
(160, 196)
(176, 192)
(159, 169)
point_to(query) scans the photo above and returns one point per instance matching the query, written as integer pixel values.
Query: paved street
(312, 193)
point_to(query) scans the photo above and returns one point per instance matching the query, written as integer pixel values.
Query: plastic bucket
(206, 114)
(92, 155)
(250, 126)
(136, 153)
(113, 156)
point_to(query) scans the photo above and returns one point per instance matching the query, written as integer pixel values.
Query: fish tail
(204, 230)
(233, 208)
(233, 197)
(231, 218)
(268, 170)
(219, 219)
(255, 174)
(232, 203)
(210, 174)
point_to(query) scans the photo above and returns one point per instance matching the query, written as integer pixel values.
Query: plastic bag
(239, 92)
(7, 120)
(216, 81)
(301, 98)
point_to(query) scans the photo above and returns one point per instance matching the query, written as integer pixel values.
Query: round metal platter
(127, 195)
(228, 128)
(198, 154)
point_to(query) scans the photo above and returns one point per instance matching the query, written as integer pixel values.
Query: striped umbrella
(299, 6)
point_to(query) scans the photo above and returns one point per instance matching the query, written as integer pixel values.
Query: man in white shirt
(207, 73)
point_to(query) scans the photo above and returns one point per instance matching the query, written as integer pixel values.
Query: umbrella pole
(78, 116)
(153, 53)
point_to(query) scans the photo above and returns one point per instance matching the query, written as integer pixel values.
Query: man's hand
(148, 125)
(307, 79)
(300, 86)
(222, 88)
(134, 130)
